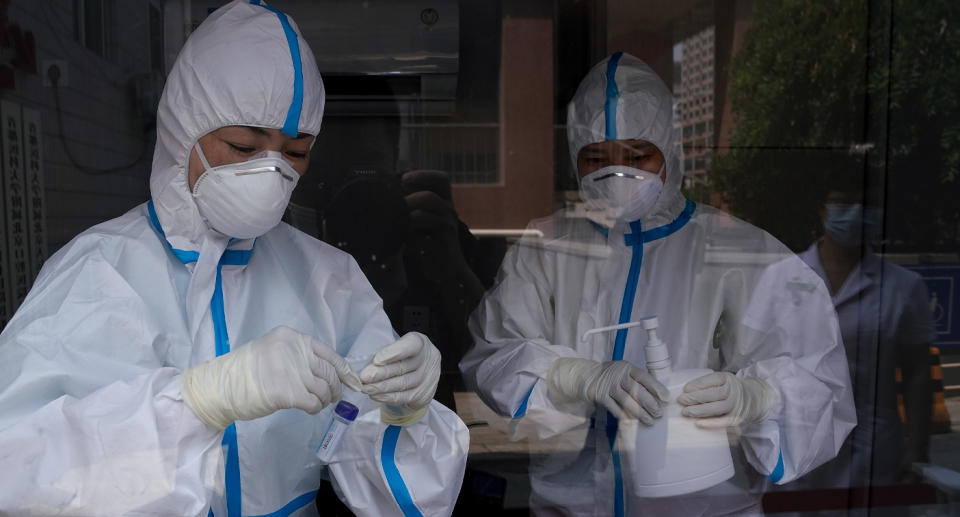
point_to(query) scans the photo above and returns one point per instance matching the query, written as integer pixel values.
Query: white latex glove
(721, 399)
(625, 390)
(404, 377)
(283, 369)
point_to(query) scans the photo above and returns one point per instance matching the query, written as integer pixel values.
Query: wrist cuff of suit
(771, 397)
(193, 390)
(394, 415)
(567, 376)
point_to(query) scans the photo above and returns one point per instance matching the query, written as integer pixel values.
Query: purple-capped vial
(343, 415)
(347, 411)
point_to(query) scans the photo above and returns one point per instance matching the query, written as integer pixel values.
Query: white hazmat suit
(721, 305)
(92, 417)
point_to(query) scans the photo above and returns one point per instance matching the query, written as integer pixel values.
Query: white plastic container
(674, 456)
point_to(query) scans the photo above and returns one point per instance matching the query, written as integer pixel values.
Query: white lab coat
(728, 296)
(92, 420)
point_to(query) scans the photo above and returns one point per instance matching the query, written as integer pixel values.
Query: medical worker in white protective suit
(182, 359)
(780, 376)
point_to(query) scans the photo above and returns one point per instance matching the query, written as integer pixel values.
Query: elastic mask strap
(203, 159)
(662, 171)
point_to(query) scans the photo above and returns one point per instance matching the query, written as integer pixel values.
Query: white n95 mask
(245, 200)
(626, 193)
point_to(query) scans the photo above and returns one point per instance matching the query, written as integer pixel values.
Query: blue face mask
(850, 225)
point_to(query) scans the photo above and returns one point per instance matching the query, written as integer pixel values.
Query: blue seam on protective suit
(237, 257)
(658, 232)
(777, 473)
(390, 471)
(222, 346)
(626, 309)
(219, 318)
(232, 467)
(229, 258)
(232, 471)
(294, 505)
(522, 410)
(292, 124)
(222, 340)
(635, 239)
(613, 94)
(601, 229)
(667, 229)
(183, 256)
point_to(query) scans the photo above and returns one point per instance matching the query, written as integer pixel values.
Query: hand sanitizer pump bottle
(674, 456)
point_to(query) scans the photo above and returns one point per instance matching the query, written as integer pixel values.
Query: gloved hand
(721, 399)
(625, 390)
(403, 376)
(282, 369)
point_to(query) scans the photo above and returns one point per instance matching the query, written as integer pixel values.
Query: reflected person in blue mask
(848, 223)
(885, 323)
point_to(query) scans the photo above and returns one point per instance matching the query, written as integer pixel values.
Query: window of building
(93, 25)
(156, 38)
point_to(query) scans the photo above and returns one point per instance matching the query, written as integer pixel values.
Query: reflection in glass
(730, 300)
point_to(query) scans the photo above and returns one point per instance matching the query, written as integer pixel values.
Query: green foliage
(814, 78)
(698, 193)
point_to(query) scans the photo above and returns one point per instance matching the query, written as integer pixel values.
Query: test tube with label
(344, 415)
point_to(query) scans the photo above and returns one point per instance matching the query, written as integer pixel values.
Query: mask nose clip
(266, 168)
(241, 171)
(638, 177)
(261, 170)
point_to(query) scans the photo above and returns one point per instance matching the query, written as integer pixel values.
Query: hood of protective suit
(246, 64)
(622, 98)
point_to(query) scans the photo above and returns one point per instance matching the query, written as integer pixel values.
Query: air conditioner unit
(381, 57)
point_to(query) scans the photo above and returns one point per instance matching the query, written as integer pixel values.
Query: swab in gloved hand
(403, 376)
(283, 369)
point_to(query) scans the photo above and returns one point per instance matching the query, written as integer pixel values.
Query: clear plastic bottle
(343, 415)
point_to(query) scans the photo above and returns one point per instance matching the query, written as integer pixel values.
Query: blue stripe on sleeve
(390, 471)
(777, 473)
(522, 410)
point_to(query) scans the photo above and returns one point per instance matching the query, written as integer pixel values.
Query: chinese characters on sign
(34, 189)
(17, 272)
